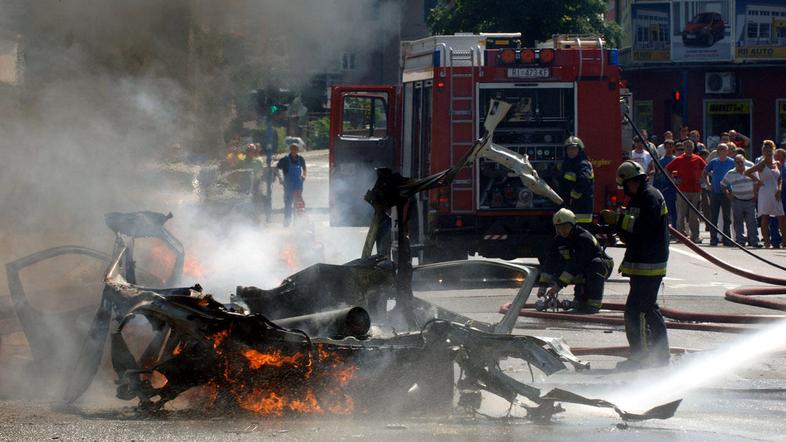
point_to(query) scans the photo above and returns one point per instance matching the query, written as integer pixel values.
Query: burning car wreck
(244, 359)
(326, 340)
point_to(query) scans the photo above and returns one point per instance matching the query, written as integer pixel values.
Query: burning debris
(298, 348)
(309, 355)
(308, 345)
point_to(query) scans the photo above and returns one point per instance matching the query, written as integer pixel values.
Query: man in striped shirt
(739, 188)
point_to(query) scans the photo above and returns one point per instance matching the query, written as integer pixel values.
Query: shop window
(663, 32)
(764, 30)
(642, 35)
(642, 115)
(753, 30)
(724, 115)
(348, 61)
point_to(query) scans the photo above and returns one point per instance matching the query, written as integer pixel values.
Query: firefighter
(576, 258)
(577, 181)
(644, 227)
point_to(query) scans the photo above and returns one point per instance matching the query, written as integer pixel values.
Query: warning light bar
(510, 56)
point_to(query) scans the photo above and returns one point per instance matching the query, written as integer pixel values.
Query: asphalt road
(727, 398)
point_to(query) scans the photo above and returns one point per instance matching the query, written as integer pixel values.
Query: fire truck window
(364, 117)
(380, 119)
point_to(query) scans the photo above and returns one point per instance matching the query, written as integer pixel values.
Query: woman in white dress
(770, 185)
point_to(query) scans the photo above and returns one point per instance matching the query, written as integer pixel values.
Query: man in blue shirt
(661, 182)
(713, 173)
(294, 168)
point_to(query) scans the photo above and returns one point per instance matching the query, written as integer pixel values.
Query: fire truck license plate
(528, 72)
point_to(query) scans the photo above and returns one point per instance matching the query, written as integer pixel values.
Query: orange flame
(157, 379)
(275, 359)
(267, 392)
(193, 268)
(160, 260)
(261, 401)
(289, 256)
(218, 338)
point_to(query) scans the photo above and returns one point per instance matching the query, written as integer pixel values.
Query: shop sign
(650, 32)
(702, 30)
(728, 107)
(760, 32)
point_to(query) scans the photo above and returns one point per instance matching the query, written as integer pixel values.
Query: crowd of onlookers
(728, 188)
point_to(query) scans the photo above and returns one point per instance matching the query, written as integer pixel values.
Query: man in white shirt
(641, 156)
(661, 149)
(740, 189)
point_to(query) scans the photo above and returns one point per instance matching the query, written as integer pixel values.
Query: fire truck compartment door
(364, 143)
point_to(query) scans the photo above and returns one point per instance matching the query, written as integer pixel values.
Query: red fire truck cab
(426, 123)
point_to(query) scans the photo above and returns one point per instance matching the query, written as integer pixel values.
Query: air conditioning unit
(720, 83)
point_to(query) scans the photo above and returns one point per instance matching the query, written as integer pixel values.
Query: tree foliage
(537, 20)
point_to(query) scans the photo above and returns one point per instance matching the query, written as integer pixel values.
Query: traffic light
(261, 101)
(677, 100)
(273, 109)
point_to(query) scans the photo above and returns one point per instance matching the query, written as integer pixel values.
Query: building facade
(711, 65)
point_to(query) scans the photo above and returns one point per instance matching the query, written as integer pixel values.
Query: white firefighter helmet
(564, 216)
(629, 169)
(574, 141)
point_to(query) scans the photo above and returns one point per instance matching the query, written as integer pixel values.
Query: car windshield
(702, 19)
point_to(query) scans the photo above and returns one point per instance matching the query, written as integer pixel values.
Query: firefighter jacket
(570, 257)
(575, 186)
(644, 227)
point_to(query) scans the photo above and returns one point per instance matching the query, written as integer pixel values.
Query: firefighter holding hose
(577, 258)
(576, 182)
(644, 227)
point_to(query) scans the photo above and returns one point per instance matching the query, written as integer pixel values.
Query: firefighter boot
(658, 341)
(581, 305)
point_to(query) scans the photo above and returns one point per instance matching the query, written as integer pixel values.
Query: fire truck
(426, 123)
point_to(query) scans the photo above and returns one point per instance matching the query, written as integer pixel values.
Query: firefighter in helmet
(577, 181)
(644, 227)
(576, 258)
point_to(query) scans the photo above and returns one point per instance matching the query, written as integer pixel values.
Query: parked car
(288, 141)
(704, 30)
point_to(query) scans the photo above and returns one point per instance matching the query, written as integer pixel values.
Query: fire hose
(681, 319)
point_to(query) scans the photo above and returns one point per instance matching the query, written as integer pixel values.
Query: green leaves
(537, 20)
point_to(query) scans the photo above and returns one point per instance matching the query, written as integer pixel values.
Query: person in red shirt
(686, 170)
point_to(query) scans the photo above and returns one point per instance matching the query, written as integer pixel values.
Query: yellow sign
(728, 108)
(761, 52)
(600, 163)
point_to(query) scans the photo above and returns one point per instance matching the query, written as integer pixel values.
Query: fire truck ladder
(461, 115)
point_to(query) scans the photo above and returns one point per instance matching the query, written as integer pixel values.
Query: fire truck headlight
(546, 56)
(507, 56)
(527, 56)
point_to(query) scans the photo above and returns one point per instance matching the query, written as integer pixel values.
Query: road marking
(726, 285)
(701, 258)
(686, 253)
